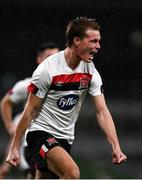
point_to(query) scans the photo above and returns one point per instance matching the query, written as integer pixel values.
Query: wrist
(114, 144)
(14, 144)
(116, 147)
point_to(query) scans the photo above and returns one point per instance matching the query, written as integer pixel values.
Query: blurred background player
(18, 95)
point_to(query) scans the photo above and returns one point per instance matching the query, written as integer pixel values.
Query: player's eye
(94, 41)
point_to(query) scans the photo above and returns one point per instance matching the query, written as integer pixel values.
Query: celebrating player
(56, 93)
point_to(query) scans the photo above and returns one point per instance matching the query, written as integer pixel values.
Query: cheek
(83, 53)
(84, 48)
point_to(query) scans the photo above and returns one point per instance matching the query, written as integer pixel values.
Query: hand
(118, 157)
(13, 157)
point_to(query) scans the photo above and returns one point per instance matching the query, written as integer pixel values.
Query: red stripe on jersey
(32, 88)
(69, 78)
(42, 153)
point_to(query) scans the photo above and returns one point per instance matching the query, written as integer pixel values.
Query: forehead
(93, 34)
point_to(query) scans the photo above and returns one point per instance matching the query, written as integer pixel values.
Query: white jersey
(19, 93)
(63, 91)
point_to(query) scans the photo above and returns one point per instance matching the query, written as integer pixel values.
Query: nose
(98, 46)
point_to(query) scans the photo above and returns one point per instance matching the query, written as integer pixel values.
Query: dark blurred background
(25, 24)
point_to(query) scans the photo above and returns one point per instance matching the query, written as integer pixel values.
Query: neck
(71, 59)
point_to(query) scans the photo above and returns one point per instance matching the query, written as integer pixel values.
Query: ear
(76, 41)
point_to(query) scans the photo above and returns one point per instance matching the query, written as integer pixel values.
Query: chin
(88, 60)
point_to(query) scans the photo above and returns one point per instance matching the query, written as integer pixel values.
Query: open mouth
(91, 53)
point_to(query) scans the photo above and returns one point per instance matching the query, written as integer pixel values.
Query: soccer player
(18, 95)
(56, 93)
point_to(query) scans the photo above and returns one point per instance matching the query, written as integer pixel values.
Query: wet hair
(46, 45)
(77, 28)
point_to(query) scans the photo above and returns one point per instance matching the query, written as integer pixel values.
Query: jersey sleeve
(96, 84)
(40, 81)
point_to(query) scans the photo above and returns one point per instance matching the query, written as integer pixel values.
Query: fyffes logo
(67, 102)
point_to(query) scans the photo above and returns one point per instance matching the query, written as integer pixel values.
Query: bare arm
(107, 125)
(6, 112)
(30, 111)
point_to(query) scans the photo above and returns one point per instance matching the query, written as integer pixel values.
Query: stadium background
(24, 24)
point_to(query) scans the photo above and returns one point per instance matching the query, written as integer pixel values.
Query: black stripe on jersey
(67, 86)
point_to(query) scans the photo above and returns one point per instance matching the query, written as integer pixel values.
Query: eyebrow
(95, 40)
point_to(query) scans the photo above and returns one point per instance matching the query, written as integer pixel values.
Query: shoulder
(49, 65)
(94, 72)
(90, 68)
(53, 58)
(22, 84)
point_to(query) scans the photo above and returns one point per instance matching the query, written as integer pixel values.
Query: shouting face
(86, 47)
